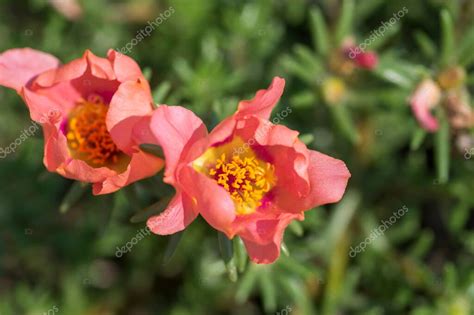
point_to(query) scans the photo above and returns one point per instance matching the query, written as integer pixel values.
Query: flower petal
(426, 96)
(177, 216)
(125, 68)
(142, 165)
(19, 66)
(211, 200)
(328, 179)
(263, 239)
(174, 127)
(129, 104)
(264, 101)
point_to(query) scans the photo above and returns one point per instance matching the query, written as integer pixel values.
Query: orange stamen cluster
(247, 179)
(87, 135)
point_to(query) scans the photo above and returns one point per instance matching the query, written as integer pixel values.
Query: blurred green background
(207, 55)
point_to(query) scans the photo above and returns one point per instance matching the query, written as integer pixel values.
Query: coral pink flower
(248, 177)
(426, 96)
(94, 112)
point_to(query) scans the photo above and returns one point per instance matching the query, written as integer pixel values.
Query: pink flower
(362, 59)
(94, 113)
(367, 60)
(248, 177)
(426, 96)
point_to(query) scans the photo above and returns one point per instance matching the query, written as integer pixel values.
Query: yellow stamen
(87, 135)
(245, 177)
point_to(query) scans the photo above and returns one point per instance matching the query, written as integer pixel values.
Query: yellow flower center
(88, 138)
(246, 177)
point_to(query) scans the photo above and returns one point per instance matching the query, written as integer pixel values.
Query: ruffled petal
(142, 165)
(129, 104)
(175, 128)
(263, 102)
(175, 218)
(328, 179)
(42, 108)
(125, 68)
(19, 66)
(263, 238)
(211, 200)
(99, 67)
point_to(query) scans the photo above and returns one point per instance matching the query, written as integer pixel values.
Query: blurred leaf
(150, 211)
(442, 148)
(319, 31)
(309, 59)
(296, 228)
(447, 40)
(284, 249)
(465, 55)
(225, 247)
(268, 290)
(247, 284)
(344, 24)
(417, 140)
(171, 247)
(387, 36)
(160, 92)
(294, 67)
(428, 48)
(240, 254)
(72, 197)
(344, 123)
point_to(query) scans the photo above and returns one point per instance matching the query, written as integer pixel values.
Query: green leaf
(382, 40)
(442, 148)
(294, 67)
(296, 228)
(447, 38)
(153, 149)
(466, 48)
(303, 99)
(150, 211)
(247, 284)
(319, 32)
(309, 59)
(418, 136)
(74, 194)
(240, 254)
(284, 249)
(268, 290)
(225, 247)
(341, 218)
(365, 8)
(171, 247)
(232, 270)
(427, 46)
(344, 123)
(344, 23)
(147, 73)
(161, 91)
